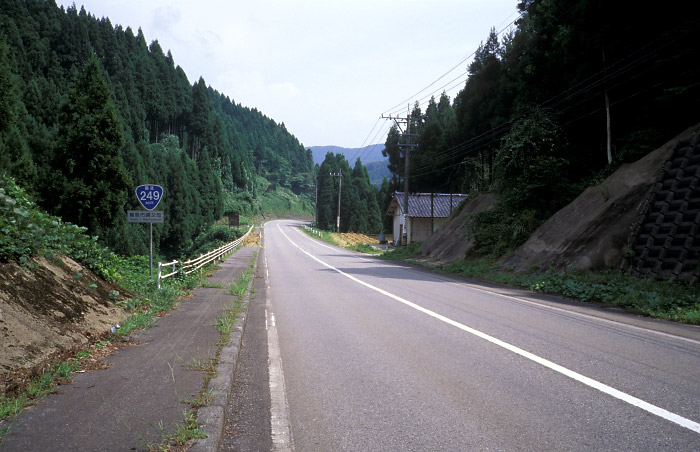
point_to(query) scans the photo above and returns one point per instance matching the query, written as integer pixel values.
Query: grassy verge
(403, 253)
(147, 303)
(43, 383)
(151, 301)
(670, 300)
(187, 431)
(320, 234)
(364, 248)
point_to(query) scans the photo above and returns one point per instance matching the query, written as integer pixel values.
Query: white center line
(653, 409)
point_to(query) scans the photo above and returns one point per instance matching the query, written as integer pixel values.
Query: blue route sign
(149, 195)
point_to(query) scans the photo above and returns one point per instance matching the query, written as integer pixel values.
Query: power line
(584, 89)
(631, 63)
(400, 105)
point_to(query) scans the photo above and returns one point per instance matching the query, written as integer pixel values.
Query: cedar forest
(89, 111)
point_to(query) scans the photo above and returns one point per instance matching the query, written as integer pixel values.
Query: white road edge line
(646, 406)
(279, 409)
(535, 303)
(575, 313)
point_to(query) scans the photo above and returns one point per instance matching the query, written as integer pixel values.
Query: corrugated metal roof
(419, 204)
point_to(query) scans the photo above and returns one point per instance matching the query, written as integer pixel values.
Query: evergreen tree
(15, 158)
(182, 203)
(384, 196)
(327, 199)
(90, 182)
(369, 220)
(209, 188)
(199, 121)
(392, 151)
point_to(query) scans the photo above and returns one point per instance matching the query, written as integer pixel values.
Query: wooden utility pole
(432, 212)
(399, 121)
(340, 187)
(607, 113)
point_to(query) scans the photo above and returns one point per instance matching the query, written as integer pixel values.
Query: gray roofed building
(426, 212)
(419, 204)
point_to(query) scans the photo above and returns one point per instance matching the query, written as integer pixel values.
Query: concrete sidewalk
(145, 393)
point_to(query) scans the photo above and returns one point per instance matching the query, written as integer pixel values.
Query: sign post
(233, 219)
(149, 196)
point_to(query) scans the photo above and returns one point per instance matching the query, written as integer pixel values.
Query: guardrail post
(159, 273)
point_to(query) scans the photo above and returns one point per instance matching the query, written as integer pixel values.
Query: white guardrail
(195, 264)
(313, 231)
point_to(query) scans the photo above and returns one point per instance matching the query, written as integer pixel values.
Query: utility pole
(607, 113)
(340, 187)
(399, 121)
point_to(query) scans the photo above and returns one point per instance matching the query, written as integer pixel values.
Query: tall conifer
(90, 181)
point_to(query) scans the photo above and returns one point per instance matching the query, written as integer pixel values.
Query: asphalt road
(381, 356)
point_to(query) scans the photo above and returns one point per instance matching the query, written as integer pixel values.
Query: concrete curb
(212, 417)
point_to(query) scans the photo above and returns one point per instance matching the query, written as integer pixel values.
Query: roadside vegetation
(670, 300)
(187, 431)
(326, 236)
(364, 248)
(29, 386)
(26, 232)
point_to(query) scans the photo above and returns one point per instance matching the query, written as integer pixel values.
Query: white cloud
(284, 90)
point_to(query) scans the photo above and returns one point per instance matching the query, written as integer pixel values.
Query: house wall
(418, 228)
(397, 229)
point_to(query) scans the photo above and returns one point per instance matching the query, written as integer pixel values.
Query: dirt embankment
(451, 242)
(51, 306)
(590, 234)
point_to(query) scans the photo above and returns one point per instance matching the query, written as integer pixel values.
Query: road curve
(381, 356)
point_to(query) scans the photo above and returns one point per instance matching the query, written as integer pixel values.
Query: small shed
(426, 213)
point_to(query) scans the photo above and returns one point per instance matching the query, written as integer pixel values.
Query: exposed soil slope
(49, 306)
(451, 242)
(589, 234)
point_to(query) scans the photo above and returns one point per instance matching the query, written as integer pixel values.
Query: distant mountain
(378, 171)
(367, 154)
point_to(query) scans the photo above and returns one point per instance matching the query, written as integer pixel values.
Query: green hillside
(90, 111)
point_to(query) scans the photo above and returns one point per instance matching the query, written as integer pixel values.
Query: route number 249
(149, 195)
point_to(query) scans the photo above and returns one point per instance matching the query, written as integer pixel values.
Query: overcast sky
(327, 69)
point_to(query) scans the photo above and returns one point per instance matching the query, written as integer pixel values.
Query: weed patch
(364, 248)
(40, 381)
(402, 253)
(205, 398)
(239, 288)
(186, 432)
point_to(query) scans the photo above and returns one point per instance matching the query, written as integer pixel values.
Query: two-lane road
(379, 356)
